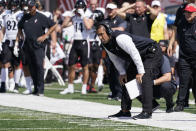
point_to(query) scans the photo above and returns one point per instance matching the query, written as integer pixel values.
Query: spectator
(159, 26)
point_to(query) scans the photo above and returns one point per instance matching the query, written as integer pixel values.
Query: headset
(34, 2)
(107, 27)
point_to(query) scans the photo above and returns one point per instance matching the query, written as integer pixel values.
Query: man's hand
(1, 49)
(16, 51)
(81, 12)
(139, 78)
(169, 50)
(123, 79)
(42, 38)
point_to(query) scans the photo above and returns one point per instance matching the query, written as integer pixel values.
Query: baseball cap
(156, 3)
(111, 6)
(190, 7)
(163, 43)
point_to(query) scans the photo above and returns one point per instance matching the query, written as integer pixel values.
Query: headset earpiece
(108, 28)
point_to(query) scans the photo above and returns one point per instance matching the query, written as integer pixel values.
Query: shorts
(8, 55)
(79, 51)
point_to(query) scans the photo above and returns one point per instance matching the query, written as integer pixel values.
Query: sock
(4, 74)
(70, 86)
(11, 84)
(17, 75)
(100, 75)
(84, 86)
(28, 82)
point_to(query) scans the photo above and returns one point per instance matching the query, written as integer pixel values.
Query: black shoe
(2, 89)
(170, 108)
(143, 115)
(179, 108)
(155, 105)
(121, 114)
(100, 88)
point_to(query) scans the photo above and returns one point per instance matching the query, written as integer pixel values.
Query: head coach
(144, 57)
(33, 25)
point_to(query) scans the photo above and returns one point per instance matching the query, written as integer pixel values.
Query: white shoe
(15, 91)
(79, 80)
(27, 92)
(67, 91)
(84, 91)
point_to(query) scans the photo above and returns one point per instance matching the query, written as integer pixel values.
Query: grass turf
(52, 90)
(27, 120)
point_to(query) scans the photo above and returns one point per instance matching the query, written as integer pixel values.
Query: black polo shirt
(187, 38)
(139, 25)
(34, 27)
(180, 14)
(117, 22)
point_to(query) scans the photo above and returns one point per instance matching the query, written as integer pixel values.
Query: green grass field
(27, 120)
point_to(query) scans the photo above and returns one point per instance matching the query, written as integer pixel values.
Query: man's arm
(122, 11)
(171, 42)
(2, 34)
(50, 30)
(88, 23)
(165, 78)
(153, 13)
(126, 43)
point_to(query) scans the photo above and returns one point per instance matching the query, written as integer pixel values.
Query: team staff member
(122, 48)
(187, 60)
(116, 23)
(34, 25)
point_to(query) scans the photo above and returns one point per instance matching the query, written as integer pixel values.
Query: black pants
(113, 77)
(152, 63)
(35, 61)
(165, 90)
(187, 71)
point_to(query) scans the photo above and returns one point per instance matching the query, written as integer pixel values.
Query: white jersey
(11, 24)
(80, 31)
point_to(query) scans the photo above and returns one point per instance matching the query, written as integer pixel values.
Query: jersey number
(79, 26)
(11, 25)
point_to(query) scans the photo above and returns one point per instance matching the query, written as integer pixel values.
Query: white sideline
(177, 120)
